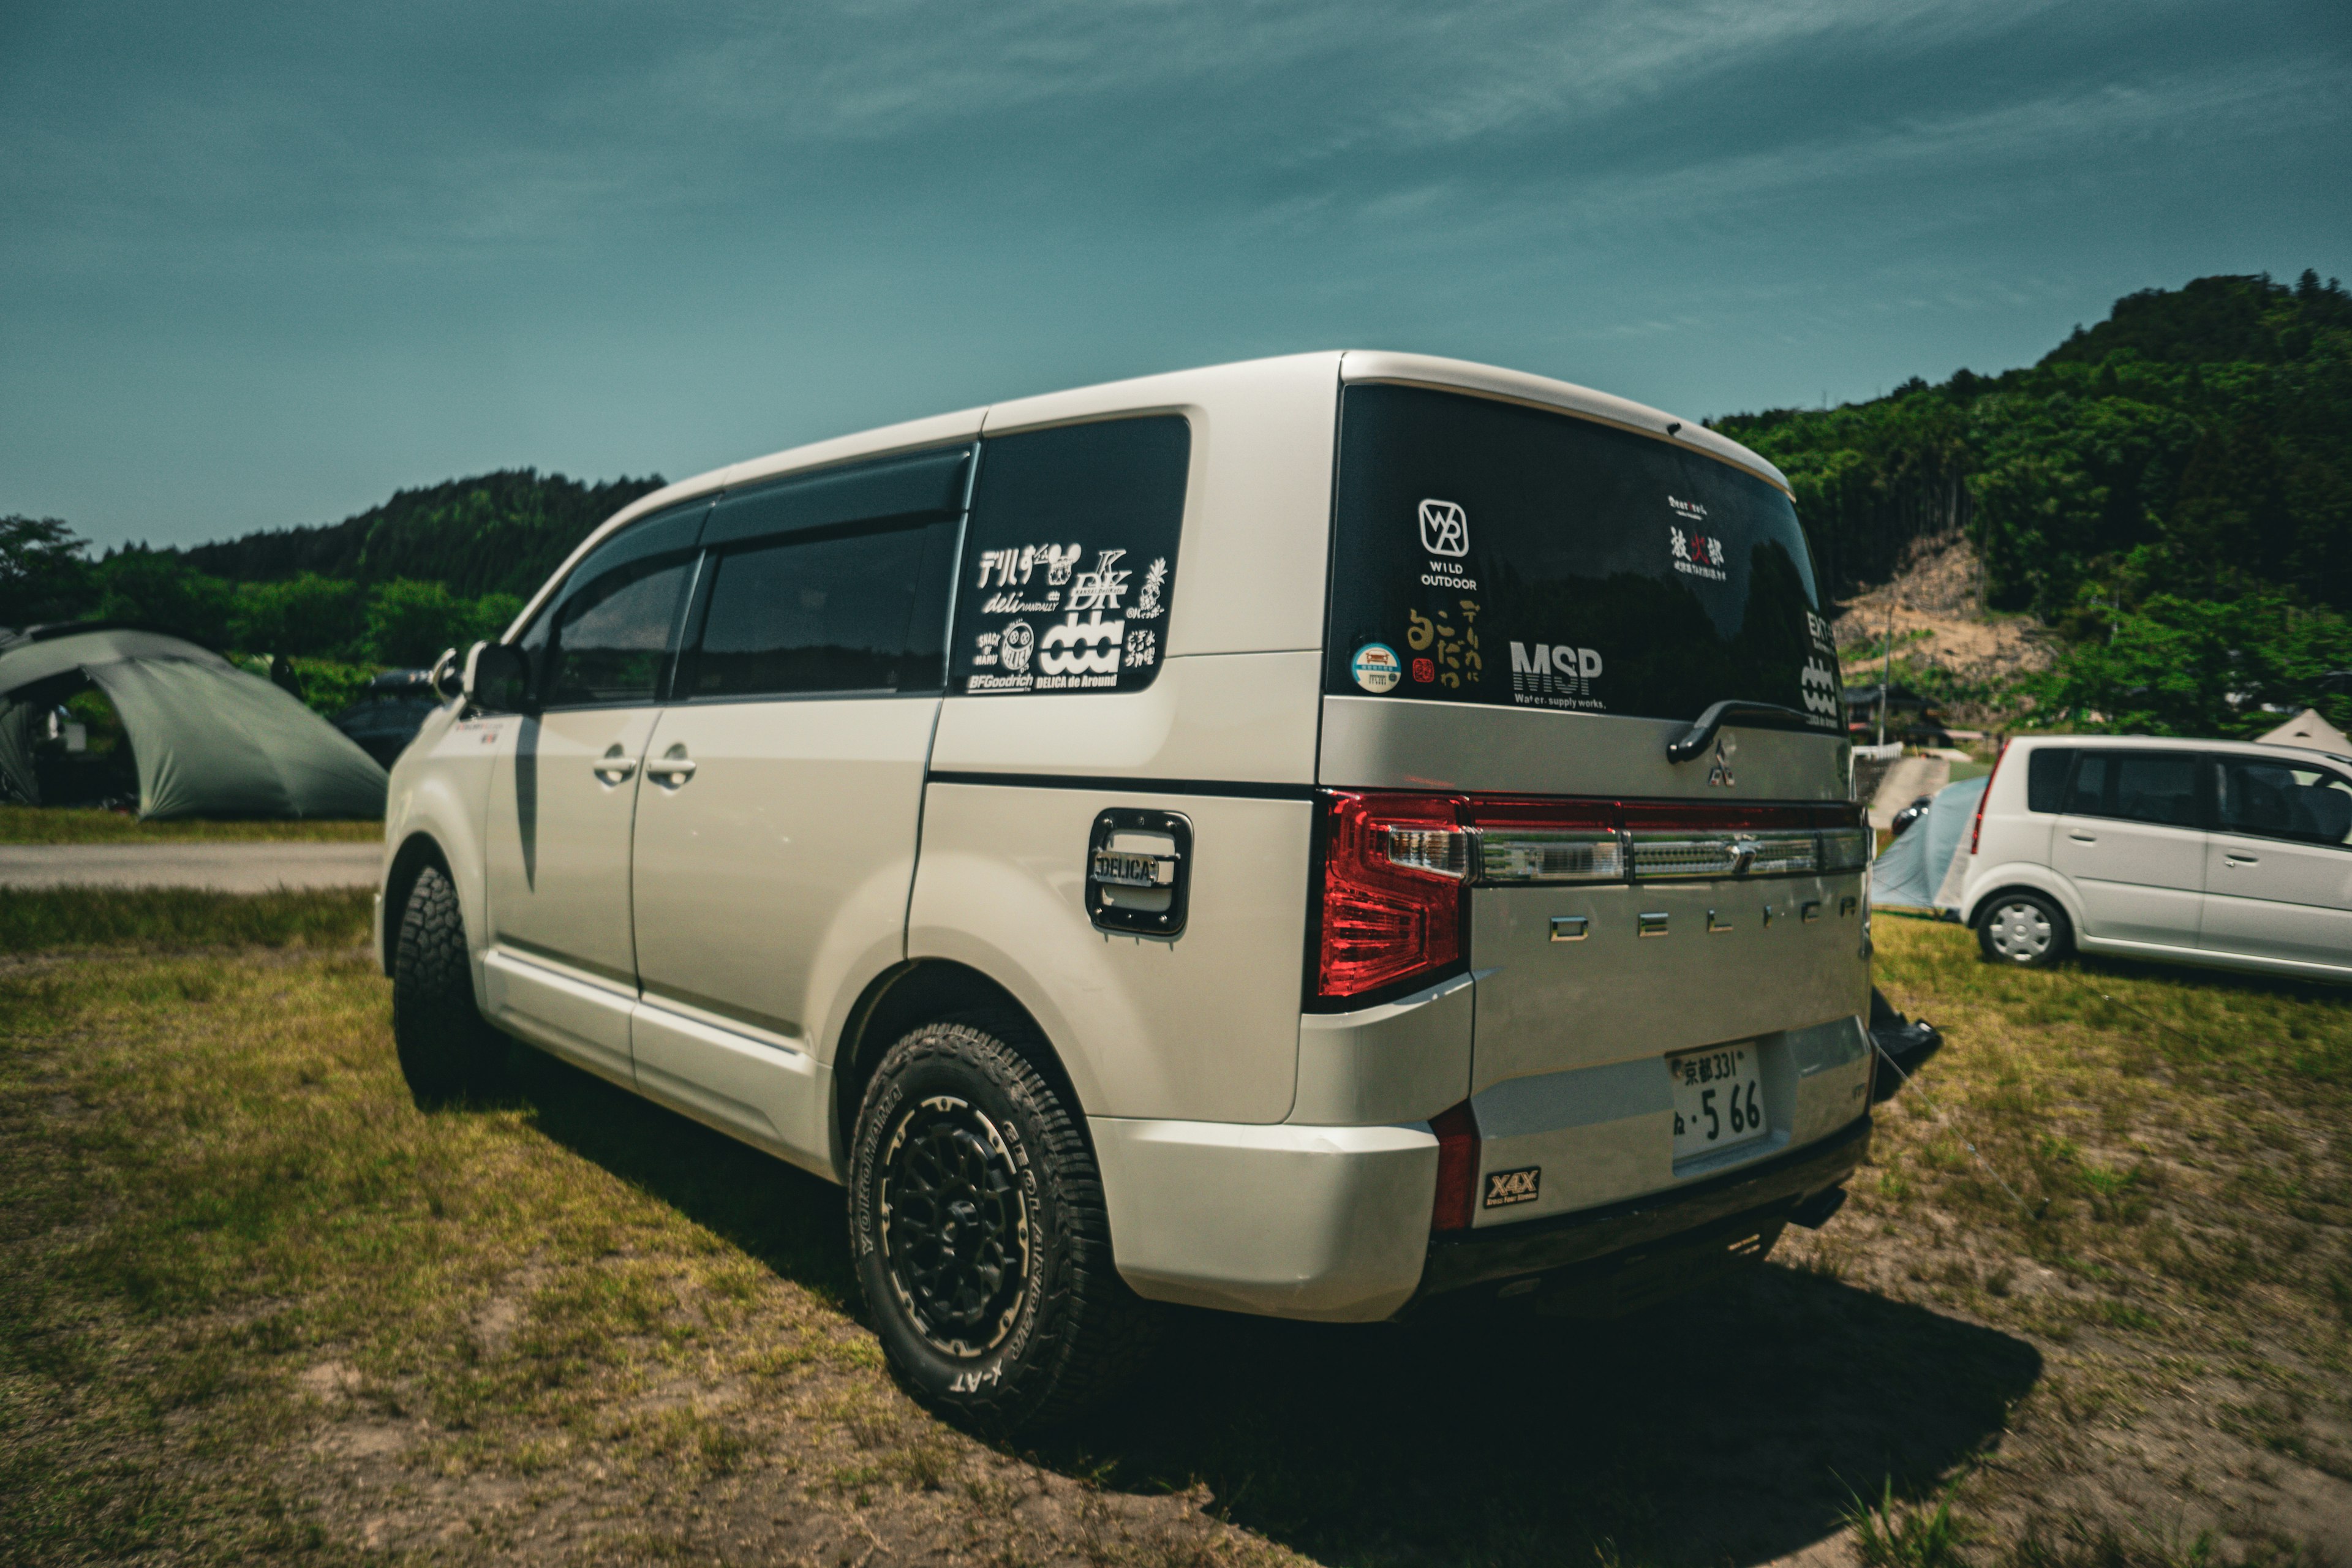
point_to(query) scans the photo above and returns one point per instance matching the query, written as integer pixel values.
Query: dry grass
(2145, 1173)
(76, 825)
(49, 919)
(254, 1305)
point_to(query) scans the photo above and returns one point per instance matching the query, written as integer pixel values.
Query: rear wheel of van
(2028, 931)
(446, 1048)
(981, 1243)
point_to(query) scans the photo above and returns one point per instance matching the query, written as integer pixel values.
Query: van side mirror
(497, 678)
(447, 677)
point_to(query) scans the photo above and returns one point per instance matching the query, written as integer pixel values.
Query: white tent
(2309, 730)
(1916, 870)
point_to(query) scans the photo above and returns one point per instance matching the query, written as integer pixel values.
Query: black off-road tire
(2023, 930)
(980, 1239)
(446, 1049)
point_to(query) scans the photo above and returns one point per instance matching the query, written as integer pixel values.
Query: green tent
(210, 739)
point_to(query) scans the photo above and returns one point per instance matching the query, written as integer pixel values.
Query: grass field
(72, 825)
(256, 1306)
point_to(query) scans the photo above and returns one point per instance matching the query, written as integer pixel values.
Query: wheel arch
(418, 851)
(2023, 879)
(930, 990)
(2039, 889)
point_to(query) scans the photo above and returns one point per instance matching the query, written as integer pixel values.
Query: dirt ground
(1935, 606)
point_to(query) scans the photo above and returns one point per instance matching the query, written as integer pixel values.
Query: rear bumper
(1761, 1193)
(1331, 1224)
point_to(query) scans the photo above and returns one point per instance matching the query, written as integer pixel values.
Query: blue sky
(260, 266)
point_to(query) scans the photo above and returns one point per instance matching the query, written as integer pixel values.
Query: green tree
(310, 615)
(152, 588)
(2176, 666)
(45, 574)
(409, 622)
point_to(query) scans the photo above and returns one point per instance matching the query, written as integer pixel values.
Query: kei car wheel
(980, 1238)
(2025, 930)
(447, 1047)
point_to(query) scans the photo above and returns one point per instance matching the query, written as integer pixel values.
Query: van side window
(840, 611)
(2283, 800)
(2045, 777)
(610, 634)
(1070, 563)
(2137, 787)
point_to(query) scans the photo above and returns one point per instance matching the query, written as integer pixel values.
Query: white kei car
(2233, 854)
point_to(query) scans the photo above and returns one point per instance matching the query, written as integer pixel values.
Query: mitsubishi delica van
(1307, 838)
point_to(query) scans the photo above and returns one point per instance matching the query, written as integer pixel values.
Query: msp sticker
(1377, 667)
(1505, 1188)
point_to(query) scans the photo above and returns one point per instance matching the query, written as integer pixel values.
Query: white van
(1300, 837)
(2231, 853)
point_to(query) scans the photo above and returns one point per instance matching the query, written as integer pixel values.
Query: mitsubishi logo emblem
(1719, 775)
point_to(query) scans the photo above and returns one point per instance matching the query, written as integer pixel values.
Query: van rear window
(1495, 553)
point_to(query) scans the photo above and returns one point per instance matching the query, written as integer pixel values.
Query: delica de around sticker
(1377, 667)
(1073, 632)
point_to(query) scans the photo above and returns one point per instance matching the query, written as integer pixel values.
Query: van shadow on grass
(1724, 1427)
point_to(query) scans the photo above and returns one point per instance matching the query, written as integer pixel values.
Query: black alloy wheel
(980, 1235)
(955, 1230)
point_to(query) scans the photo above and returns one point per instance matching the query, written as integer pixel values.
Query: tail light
(1976, 828)
(1457, 1168)
(1391, 906)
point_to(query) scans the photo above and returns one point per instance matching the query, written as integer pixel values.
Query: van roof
(1203, 387)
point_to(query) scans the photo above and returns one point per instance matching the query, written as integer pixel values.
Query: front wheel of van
(446, 1048)
(980, 1238)
(2028, 931)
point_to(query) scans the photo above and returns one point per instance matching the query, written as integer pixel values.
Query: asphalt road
(219, 868)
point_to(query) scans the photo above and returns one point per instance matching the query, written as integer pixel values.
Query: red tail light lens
(1457, 1168)
(1392, 903)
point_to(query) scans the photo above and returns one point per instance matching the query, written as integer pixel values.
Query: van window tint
(1493, 554)
(2137, 787)
(1070, 563)
(2045, 777)
(2281, 800)
(609, 633)
(856, 612)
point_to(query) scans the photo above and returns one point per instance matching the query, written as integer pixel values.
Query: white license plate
(1719, 1100)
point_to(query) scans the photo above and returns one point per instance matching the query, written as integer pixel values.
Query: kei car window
(1488, 552)
(2045, 777)
(861, 611)
(1069, 565)
(2137, 787)
(2283, 800)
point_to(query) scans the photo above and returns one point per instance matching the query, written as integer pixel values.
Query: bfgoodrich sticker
(1377, 667)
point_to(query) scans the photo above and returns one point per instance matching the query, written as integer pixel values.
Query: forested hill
(2196, 444)
(501, 533)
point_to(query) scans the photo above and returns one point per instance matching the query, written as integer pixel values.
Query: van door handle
(614, 768)
(2233, 858)
(2082, 837)
(676, 767)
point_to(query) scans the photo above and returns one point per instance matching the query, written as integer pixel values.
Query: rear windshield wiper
(1695, 739)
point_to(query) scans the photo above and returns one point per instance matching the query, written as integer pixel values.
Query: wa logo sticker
(1444, 531)
(1505, 1188)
